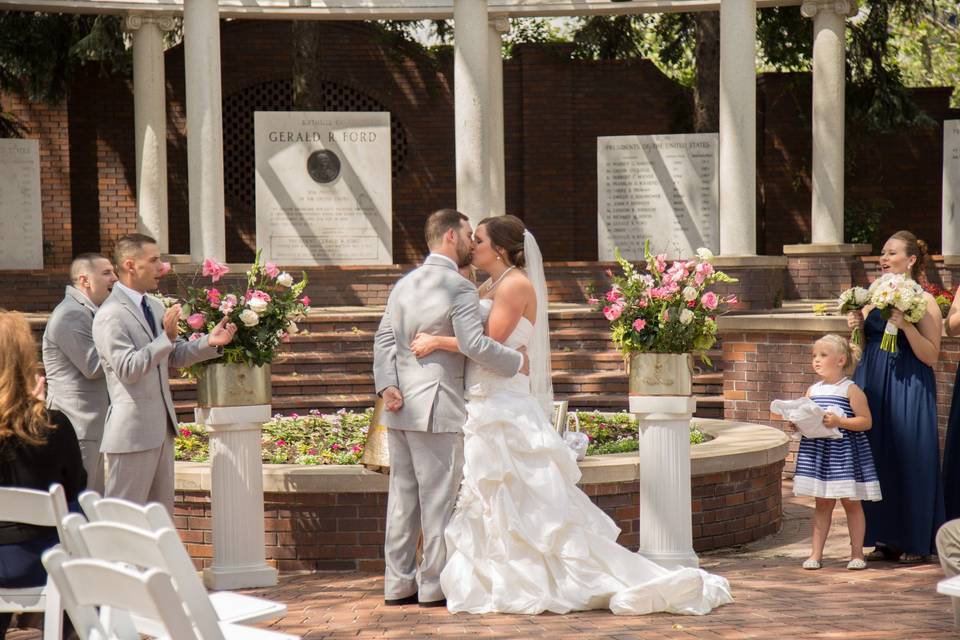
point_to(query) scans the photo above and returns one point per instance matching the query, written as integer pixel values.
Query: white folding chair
(42, 509)
(560, 416)
(227, 605)
(951, 587)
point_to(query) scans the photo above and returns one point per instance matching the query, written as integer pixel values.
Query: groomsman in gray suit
(425, 404)
(75, 383)
(137, 342)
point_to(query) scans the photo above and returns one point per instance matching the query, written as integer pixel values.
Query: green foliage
(617, 432)
(11, 127)
(861, 220)
(927, 46)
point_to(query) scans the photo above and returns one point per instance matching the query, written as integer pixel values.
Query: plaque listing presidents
(663, 188)
(21, 222)
(323, 187)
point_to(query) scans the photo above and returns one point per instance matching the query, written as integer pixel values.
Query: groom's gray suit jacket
(433, 299)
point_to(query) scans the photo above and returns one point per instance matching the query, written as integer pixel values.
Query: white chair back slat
(29, 506)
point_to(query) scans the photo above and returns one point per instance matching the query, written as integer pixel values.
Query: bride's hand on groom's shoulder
(423, 344)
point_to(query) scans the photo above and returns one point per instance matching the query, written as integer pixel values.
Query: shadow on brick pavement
(775, 599)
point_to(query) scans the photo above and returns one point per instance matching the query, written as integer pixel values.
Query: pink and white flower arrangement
(664, 307)
(897, 291)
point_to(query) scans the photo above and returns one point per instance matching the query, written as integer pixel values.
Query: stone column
(471, 88)
(201, 44)
(829, 64)
(738, 128)
(495, 141)
(150, 122)
(236, 497)
(951, 193)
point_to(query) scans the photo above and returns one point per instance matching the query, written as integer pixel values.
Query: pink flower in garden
(194, 337)
(281, 443)
(213, 297)
(709, 300)
(164, 268)
(195, 321)
(214, 269)
(639, 324)
(335, 446)
(294, 415)
(311, 451)
(612, 312)
(355, 448)
(305, 300)
(271, 270)
(186, 433)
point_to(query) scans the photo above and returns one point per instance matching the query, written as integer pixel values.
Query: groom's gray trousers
(425, 472)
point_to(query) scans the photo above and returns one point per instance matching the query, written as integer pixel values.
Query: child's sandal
(857, 564)
(811, 565)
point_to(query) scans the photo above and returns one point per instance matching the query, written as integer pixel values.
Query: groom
(425, 404)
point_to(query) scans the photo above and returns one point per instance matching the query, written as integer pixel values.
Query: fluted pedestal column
(236, 497)
(666, 522)
(471, 89)
(150, 123)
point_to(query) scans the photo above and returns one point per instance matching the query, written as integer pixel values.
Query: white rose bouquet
(853, 299)
(896, 291)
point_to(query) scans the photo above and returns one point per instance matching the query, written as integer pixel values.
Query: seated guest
(948, 548)
(37, 448)
(75, 382)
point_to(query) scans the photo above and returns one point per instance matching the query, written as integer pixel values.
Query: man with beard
(424, 399)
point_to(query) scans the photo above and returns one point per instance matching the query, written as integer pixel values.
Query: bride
(523, 537)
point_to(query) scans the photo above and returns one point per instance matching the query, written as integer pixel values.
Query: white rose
(689, 293)
(686, 316)
(249, 318)
(257, 305)
(704, 254)
(285, 279)
(292, 327)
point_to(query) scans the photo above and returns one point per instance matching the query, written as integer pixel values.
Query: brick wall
(827, 276)
(759, 367)
(344, 531)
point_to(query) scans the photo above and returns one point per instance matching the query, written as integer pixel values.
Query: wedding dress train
(525, 539)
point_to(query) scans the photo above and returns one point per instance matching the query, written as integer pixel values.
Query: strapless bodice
(480, 381)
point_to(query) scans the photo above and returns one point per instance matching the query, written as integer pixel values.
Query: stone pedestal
(666, 526)
(236, 496)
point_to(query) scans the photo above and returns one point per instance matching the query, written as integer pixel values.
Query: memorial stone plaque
(951, 188)
(323, 187)
(662, 188)
(21, 218)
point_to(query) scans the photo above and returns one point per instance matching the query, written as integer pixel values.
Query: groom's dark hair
(439, 223)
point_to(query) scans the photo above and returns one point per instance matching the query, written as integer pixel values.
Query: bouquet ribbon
(889, 341)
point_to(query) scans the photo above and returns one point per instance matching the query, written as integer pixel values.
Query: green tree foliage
(928, 47)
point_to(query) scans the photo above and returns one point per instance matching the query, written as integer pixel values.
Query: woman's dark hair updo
(914, 247)
(506, 233)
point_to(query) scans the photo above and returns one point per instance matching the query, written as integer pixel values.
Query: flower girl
(842, 468)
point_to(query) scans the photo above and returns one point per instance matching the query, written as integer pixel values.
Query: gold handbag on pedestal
(376, 454)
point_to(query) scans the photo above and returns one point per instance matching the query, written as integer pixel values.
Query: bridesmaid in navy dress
(951, 450)
(901, 392)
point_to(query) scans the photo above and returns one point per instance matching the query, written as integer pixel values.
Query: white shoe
(811, 564)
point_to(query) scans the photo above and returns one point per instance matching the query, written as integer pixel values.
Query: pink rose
(164, 268)
(213, 297)
(195, 321)
(271, 270)
(194, 337)
(703, 271)
(613, 295)
(214, 269)
(305, 300)
(257, 294)
(612, 312)
(709, 300)
(639, 324)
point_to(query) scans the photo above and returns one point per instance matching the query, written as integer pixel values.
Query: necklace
(494, 284)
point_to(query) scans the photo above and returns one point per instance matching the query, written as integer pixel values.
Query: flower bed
(338, 438)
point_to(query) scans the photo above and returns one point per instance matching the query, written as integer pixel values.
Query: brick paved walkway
(775, 599)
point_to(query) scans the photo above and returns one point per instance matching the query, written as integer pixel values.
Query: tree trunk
(706, 89)
(307, 81)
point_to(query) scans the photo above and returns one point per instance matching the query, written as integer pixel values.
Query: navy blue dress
(951, 456)
(902, 395)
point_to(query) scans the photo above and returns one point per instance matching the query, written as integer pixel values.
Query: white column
(236, 497)
(666, 521)
(201, 43)
(471, 81)
(738, 128)
(150, 122)
(498, 185)
(951, 192)
(829, 64)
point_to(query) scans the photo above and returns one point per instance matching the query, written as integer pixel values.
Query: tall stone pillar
(495, 139)
(150, 122)
(829, 64)
(471, 87)
(738, 128)
(951, 193)
(201, 44)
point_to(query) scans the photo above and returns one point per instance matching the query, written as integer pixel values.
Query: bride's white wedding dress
(525, 539)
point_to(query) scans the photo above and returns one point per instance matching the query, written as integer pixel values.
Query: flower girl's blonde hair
(843, 347)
